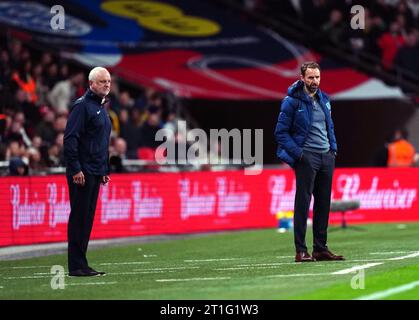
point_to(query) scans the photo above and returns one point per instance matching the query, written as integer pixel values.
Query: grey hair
(93, 73)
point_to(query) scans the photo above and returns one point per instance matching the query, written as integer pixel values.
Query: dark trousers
(83, 201)
(314, 174)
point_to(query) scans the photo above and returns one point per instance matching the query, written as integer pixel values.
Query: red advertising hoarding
(36, 209)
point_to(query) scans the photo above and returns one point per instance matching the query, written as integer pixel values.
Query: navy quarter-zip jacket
(86, 137)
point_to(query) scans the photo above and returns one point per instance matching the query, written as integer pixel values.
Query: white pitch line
(365, 260)
(390, 292)
(27, 277)
(244, 268)
(193, 279)
(137, 272)
(156, 271)
(265, 264)
(90, 283)
(123, 263)
(356, 268)
(298, 275)
(42, 273)
(210, 260)
(31, 267)
(166, 268)
(391, 252)
(412, 255)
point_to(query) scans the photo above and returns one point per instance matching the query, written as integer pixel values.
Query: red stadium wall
(36, 209)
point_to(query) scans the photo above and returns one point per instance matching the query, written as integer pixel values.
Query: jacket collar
(91, 95)
(296, 90)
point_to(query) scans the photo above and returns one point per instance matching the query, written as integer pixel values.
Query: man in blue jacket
(306, 141)
(86, 153)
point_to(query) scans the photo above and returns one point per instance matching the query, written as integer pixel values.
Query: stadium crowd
(390, 35)
(37, 89)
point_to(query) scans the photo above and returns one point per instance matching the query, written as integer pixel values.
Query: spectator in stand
(60, 124)
(390, 42)
(15, 150)
(6, 73)
(118, 154)
(17, 167)
(41, 88)
(414, 7)
(407, 57)
(131, 132)
(125, 100)
(55, 153)
(35, 160)
(15, 51)
(16, 131)
(401, 153)
(316, 12)
(334, 29)
(380, 8)
(64, 92)
(287, 8)
(45, 129)
(404, 11)
(21, 103)
(150, 127)
(46, 59)
(64, 72)
(142, 102)
(25, 82)
(51, 75)
(37, 142)
(123, 122)
(113, 97)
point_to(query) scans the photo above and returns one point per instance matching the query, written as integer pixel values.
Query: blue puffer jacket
(294, 123)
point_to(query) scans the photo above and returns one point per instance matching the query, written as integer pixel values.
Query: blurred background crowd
(37, 89)
(389, 39)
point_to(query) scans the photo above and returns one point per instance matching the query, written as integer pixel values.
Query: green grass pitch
(251, 264)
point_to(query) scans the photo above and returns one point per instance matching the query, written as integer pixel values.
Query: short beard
(310, 89)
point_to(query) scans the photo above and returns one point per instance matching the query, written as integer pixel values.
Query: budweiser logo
(196, 200)
(59, 210)
(281, 200)
(374, 197)
(146, 206)
(229, 200)
(26, 213)
(114, 208)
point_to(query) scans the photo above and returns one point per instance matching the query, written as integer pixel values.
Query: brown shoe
(303, 257)
(326, 255)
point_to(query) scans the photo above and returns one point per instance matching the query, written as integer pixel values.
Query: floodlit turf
(255, 264)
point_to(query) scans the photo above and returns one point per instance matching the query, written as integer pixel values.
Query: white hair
(93, 73)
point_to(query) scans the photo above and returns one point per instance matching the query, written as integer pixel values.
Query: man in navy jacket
(86, 153)
(306, 141)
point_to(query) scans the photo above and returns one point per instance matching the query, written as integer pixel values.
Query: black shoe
(82, 273)
(99, 273)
